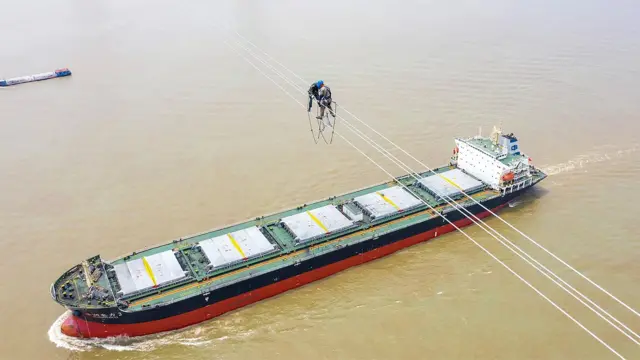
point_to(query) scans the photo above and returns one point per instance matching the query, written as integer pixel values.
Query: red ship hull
(78, 327)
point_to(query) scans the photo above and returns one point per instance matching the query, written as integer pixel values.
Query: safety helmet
(319, 83)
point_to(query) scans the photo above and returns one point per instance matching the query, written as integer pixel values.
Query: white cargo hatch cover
(316, 223)
(386, 202)
(453, 181)
(238, 245)
(148, 271)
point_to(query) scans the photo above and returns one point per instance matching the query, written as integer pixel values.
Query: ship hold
(195, 279)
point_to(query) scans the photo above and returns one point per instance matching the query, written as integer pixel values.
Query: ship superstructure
(496, 161)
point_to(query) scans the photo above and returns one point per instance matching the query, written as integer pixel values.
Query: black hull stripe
(111, 316)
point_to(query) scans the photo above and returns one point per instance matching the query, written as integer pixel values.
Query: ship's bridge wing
(379, 204)
(148, 272)
(235, 246)
(316, 223)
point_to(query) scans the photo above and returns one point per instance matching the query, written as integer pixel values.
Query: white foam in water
(514, 203)
(580, 161)
(123, 343)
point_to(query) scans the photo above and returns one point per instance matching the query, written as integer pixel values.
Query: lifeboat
(507, 177)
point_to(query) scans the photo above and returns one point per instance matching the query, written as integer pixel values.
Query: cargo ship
(197, 278)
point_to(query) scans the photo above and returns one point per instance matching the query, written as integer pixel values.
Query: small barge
(37, 77)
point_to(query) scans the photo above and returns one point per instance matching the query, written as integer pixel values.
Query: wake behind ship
(191, 280)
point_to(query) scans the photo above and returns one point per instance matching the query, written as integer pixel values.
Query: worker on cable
(319, 91)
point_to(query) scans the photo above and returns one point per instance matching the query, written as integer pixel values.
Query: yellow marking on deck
(236, 245)
(450, 181)
(293, 254)
(388, 200)
(317, 221)
(149, 270)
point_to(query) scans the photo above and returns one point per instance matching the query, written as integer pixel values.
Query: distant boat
(37, 77)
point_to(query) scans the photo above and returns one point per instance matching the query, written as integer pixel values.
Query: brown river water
(164, 131)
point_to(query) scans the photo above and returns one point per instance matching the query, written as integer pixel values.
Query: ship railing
(206, 289)
(265, 270)
(261, 271)
(64, 277)
(308, 254)
(504, 190)
(448, 210)
(251, 273)
(54, 295)
(464, 203)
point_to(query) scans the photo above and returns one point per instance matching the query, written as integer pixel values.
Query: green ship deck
(201, 278)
